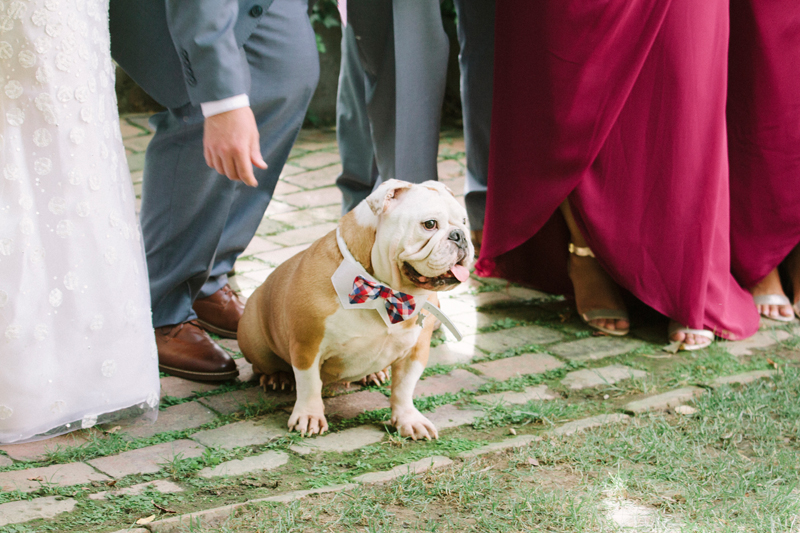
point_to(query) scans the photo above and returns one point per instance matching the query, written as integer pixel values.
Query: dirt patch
(552, 477)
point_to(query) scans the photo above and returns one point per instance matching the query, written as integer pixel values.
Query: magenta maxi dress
(619, 106)
(764, 135)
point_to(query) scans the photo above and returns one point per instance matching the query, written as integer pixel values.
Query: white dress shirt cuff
(226, 104)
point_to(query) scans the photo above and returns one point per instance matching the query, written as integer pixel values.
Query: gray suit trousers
(476, 60)
(402, 51)
(196, 222)
(353, 133)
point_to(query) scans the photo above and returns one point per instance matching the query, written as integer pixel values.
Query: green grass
(228, 386)
(730, 467)
(538, 413)
(705, 365)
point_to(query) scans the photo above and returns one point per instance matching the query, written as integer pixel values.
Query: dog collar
(351, 272)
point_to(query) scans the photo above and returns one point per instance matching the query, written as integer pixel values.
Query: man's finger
(229, 166)
(216, 164)
(255, 155)
(245, 171)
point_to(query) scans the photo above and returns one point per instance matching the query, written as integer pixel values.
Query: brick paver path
(518, 346)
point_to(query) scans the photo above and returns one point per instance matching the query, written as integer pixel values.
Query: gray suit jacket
(182, 51)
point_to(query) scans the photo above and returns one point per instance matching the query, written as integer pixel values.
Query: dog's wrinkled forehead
(439, 187)
(394, 193)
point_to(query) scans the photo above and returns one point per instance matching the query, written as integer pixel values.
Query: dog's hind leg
(378, 378)
(276, 380)
(253, 339)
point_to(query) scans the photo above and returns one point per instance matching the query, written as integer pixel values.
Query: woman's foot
(690, 339)
(774, 307)
(792, 263)
(595, 291)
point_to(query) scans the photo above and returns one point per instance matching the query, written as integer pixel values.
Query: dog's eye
(430, 224)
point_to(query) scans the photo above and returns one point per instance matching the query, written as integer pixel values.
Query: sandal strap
(582, 251)
(771, 299)
(675, 327)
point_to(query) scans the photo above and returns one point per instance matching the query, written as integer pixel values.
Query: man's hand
(231, 147)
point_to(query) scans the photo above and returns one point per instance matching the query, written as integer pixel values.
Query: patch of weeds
(17, 528)
(438, 338)
(323, 475)
(505, 323)
(366, 513)
(385, 388)
(792, 342)
(101, 445)
(491, 287)
(282, 443)
(429, 403)
(542, 413)
(169, 401)
(511, 352)
(562, 511)
(382, 416)
(456, 445)
(620, 389)
(14, 496)
(446, 154)
(711, 363)
(180, 467)
(98, 445)
(228, 386)
(645, 349)
(503, 304)
(19, 465)
(438, 370)
(377, 416)
(519, 383)
(262, 406)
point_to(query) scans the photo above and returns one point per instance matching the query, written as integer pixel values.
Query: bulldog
(351, 304)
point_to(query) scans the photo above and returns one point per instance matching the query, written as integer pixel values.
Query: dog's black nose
(458, 237)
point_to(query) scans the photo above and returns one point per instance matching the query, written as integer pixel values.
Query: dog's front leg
(405, 374)
(308, 415)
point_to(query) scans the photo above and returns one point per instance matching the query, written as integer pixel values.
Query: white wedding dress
(76, 340)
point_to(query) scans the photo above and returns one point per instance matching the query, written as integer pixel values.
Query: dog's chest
(358, 343)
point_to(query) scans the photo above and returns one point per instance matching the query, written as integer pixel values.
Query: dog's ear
(381, 199)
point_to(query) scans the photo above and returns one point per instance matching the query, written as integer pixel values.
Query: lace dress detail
(76, 340)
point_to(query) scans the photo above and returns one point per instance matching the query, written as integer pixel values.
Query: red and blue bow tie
(399, 305)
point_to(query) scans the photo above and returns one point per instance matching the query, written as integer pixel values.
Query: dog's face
(421, 236)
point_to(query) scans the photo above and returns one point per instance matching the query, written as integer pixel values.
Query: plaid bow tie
(399, 305)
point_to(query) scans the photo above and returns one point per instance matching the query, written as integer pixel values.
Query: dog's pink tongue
(460, 272)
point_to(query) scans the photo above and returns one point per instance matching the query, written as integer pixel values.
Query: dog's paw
(378, 378)
(308, 423)
(413, 424)
(278, 380)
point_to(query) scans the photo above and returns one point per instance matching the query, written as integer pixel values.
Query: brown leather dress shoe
(186, 351)
(220, 312)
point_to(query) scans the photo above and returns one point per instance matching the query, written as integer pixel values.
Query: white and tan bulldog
(350, 305)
